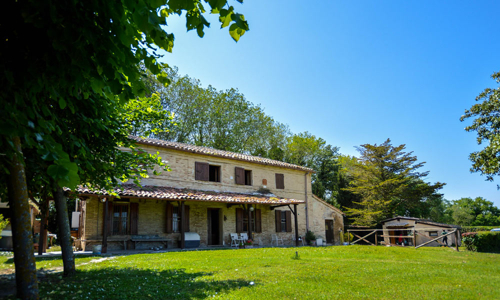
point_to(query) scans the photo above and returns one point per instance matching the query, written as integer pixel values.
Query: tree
(3, 223)
(487, 126)
(387, 180)
(475, 212)
(57, 58)
(224, 120)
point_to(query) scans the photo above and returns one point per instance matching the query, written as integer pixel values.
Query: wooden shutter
(134, 218)
(239, 220)
(109, 217)
(280, 181)
(169, 211)
(239, 175)
(186, 217)
(277, 217)
(288, 217)
(201, 171)
(258, 227)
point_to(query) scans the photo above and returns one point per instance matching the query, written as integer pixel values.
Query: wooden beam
(272, 207)
(249, 226)
(456, 240)
(296, 225)
(363, 238)
(429, 237)
(104, 248)
(183, 237)
(433, 240)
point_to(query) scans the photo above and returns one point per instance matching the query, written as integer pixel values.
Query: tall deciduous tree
(385, 179)
(56, 58)
(486, 123)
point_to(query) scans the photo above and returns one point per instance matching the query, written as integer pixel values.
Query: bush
(482, 241)
(310, 236)
(3, 224)
(466, 229)
(469, 240)
(348, 237)
(488, 242)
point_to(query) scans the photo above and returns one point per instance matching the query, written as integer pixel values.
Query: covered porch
(159, 218)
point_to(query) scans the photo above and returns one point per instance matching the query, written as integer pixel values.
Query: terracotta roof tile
(218, 153)
(170, 193)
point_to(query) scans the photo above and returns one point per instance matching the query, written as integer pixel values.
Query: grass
(360, 272)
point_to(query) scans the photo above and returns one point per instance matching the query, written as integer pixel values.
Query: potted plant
(249, 244)
(348, 237)
(310, 238)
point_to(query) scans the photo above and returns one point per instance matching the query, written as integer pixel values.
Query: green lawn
(362, 272)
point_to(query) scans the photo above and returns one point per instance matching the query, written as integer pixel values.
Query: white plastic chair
(277, 239)
(244, 237)
(234, 240)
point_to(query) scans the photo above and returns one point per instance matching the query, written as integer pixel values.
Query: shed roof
(171, 193)
(218, 153)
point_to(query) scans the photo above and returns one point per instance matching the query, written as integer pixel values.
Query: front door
(214, 226)
(329, 231)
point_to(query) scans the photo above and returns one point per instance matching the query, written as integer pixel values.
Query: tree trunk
(64, 232)
(42, 240)
(24, 259)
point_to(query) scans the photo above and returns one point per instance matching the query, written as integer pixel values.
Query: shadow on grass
(131, 283)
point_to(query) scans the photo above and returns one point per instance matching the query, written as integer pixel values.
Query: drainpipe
(307, 207)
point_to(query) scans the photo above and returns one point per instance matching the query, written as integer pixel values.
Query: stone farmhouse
(207, 195)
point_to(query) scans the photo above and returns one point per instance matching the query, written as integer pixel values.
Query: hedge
(466, 229)
(482, 241)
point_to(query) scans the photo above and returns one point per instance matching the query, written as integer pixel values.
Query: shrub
(3, 224)
(310, 236)
(488, 242)
(469, 240)
(466, 229)
(482, 241)
(348, 237)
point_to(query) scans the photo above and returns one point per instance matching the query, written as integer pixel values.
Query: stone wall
(152, 221)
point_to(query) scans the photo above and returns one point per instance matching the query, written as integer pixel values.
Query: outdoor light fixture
(251, 208)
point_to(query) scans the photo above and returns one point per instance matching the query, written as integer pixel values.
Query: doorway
(329, 231)
(214, 226)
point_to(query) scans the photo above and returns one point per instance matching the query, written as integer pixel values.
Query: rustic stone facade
(152, 213)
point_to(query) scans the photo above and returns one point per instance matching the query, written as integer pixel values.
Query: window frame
(280, 181)
(120, 230)
(433, 233)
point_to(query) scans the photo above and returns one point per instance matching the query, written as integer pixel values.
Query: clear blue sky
(356, 72)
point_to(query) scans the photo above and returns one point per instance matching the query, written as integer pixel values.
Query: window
(245, 222)
(175, 219)
(283, 220)
(242, 220)
(248, 177)
(120, 216)
(242, 176)
(207, 172)
(433, 233)
(214, 173)
(280, 181)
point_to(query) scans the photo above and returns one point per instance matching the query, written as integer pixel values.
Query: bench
(149, 238)
(110, 240)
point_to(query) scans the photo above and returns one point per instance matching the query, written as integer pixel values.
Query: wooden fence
(363, 234)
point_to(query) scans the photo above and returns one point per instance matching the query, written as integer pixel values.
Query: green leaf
(62, 103)
(236, 32)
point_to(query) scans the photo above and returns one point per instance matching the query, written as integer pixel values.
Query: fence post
(456, 239)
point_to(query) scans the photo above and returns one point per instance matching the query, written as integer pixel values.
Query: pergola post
(183, 215)
(105, 228)
(249, 227)
(296, 225)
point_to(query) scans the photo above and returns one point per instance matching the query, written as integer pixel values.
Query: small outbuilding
(410, 231)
